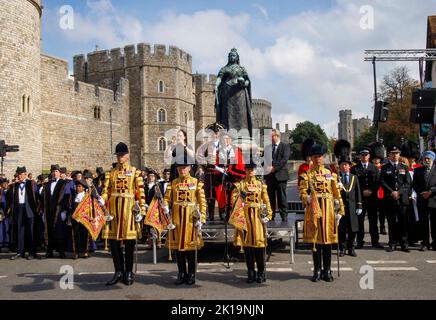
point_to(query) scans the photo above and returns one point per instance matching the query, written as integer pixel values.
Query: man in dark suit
(397, 185)
(56, 195)
(276, 161)
(351, 196)
(424, 183)
(368, 175)
(23, 206)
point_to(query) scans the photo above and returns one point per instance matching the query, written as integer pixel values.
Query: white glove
(166, 210)
(359, 212)
(198, 224)
(337, 205)
(139, 218)
(63, 215)
(338, 217)
(309, 198)
(109, 218)
(101, 201)
(265, 220)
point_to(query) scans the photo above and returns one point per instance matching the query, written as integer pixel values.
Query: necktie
(346, 178)
(274, 148)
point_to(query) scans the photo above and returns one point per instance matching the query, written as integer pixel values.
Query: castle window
(186, 118)
(23, 106)
(97, 113)
(161, 115)
(161, 87)
(28, 104)
(162, 144)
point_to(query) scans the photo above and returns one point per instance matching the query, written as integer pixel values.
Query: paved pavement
(396, 275)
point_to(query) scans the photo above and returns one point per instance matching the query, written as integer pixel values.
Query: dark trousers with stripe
(397, 223)
(370, 209)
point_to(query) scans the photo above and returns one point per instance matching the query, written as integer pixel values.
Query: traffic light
(2, 148)
(381, 111)
(423, 106)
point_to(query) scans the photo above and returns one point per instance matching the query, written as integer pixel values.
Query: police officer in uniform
(396, 182)
(319, 191)
(124, 194)
(368, 175)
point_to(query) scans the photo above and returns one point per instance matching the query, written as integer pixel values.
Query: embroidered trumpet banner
(237, 218)
(83, 214)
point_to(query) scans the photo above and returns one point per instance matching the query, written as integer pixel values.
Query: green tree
(396, 89)
(305, 130)
(365, 139)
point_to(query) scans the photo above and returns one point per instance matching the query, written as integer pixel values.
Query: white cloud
(290, 55)
(309, 65)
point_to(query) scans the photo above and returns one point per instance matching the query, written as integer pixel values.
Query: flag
(312, 215)
(155, 217)
(237, 216)
(84, 215)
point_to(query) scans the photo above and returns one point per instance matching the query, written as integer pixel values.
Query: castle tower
(204, 101)
(161, 94)
(20, 96)
(345, 126)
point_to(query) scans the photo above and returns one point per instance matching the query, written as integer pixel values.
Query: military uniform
(368, 175)
(396, 177)
(123, 186)
(254, 196)
(186, 197)
(321, 197)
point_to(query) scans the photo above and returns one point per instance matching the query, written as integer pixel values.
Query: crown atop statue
(234, 50)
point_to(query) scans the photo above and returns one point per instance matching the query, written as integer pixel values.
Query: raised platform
(215, 231)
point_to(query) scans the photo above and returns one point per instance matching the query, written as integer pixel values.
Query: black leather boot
(181, 266)
(190, 256)
(316, 255)
(181, 278)
(118, 276)
(327, 261)
(117, 258)
(251, 276)
(190, 280)
(260, 261)
(130, 249)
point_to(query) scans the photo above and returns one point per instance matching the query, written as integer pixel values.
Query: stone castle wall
(20, 116)
(76, 118)
(144, 69)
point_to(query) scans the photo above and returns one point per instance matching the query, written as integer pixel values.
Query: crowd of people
(36, 214)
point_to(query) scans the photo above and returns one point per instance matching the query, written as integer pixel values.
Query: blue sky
(306, 57)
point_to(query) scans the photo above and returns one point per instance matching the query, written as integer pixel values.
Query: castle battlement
(262, 102)
(87, 90)
(202, 79)
(57, 68)
(142, 54)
